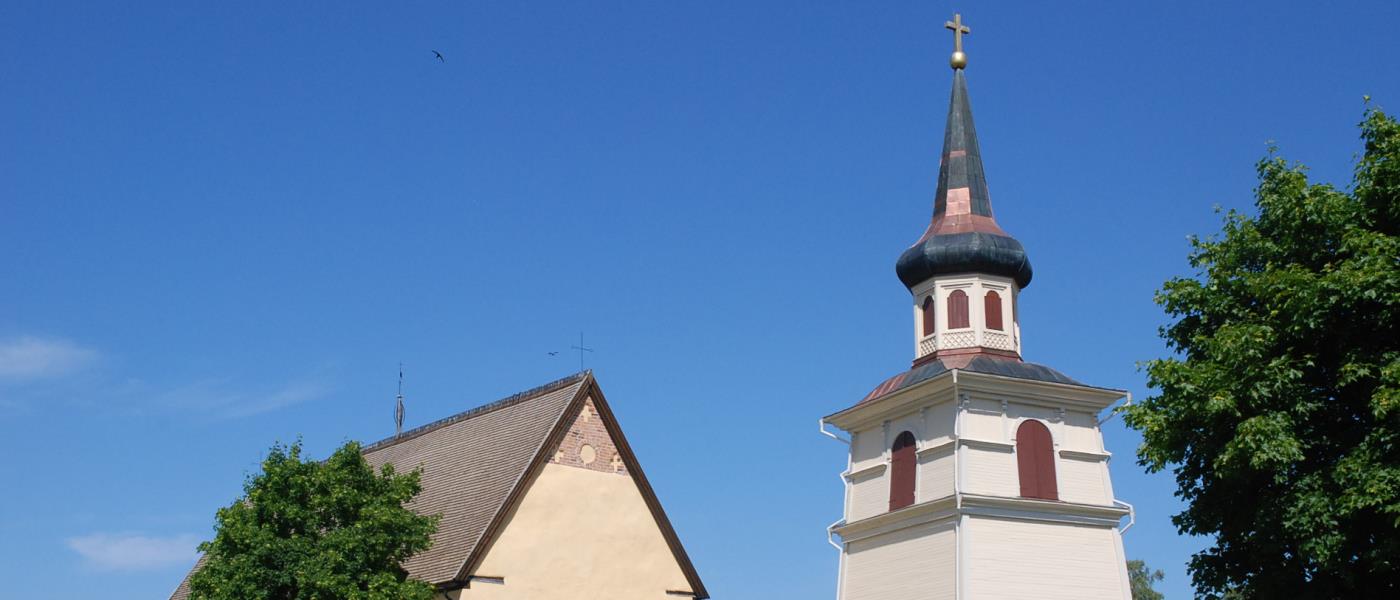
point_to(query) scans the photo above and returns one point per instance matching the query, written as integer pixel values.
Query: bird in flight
(554, 354)
(439, 56)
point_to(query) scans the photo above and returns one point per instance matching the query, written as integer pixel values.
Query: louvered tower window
(1035, 461)
(957, 310)
(992, 306)
(902, 468)
(927, 316)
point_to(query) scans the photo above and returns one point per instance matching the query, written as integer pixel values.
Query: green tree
(1141, 579)
(1280, 412)
(307, 530)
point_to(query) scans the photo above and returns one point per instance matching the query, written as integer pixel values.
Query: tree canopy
(307, 530)
(1279, 413)
(1141, 578)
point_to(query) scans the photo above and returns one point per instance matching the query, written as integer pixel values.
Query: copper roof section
(963, 236)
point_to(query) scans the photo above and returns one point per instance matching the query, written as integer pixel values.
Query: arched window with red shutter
(927, 316)
(992, 308)
(957, 310)
(903, 464)
(1035, 461)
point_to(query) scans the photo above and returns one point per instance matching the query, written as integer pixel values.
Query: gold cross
(958, 30)
(959, 59)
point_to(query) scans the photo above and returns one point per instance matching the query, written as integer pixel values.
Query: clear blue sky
(225, 224)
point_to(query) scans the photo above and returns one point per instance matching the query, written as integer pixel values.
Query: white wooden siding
(1081, 433)
(980, 424)
(870, 495)
(1081, 480)
(991, 472)
(867, 448)
(1022, 559)
(939, 420)
(910, 563)
(936, 474)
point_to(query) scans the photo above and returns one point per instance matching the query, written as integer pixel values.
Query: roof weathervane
(398, 405)
(958, 60)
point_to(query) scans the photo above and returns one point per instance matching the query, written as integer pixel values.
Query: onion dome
(963, 237)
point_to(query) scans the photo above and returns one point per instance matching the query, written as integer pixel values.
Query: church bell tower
(976, 474)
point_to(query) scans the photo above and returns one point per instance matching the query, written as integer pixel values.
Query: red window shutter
(957, 310)
(992, 304)
(903, 463)
(928, 316)
(1035, 461)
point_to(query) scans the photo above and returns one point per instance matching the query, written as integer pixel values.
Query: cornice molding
(1020, 509)
(865, 472)
(998, 446)
(909, 516)
(947, 444)
(1085, 456)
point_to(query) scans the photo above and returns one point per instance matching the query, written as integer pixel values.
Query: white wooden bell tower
(975, 474)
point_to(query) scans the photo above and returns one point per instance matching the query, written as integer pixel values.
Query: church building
(975, 474)
(541, 498)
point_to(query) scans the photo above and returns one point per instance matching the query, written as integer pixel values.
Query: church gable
(541, 487)
(587, 445)
(587, 522)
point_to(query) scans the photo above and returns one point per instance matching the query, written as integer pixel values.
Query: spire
(963, 236)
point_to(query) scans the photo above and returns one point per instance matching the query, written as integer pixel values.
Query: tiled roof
(472, 462)
(974, 363)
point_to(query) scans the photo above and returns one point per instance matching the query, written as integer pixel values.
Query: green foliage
(1141, 579)
(1280, 413)
(307, 530)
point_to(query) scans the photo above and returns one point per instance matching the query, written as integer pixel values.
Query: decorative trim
(936, 448)
(1053, 511)
(909, 516)
(1020, 509)
(1086, 456)
(989, 445)
(865, 472)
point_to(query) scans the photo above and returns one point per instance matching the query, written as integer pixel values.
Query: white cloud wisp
(29, 357)
(130, 552)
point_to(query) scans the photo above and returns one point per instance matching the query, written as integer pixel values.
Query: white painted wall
(917, 562)
(991, 472)
(935, 476)
(870, 495)
(1045, 561)
(1082, 480)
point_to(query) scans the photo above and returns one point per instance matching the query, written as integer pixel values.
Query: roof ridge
(508, 401)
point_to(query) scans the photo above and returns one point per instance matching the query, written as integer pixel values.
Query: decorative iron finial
(398, 405)
(959, 60)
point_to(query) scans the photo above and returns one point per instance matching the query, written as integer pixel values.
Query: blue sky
(226, 224)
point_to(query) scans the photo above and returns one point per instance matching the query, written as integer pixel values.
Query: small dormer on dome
(965, 272)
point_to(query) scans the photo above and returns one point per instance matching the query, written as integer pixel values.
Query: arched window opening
(957, 310)
(902, 466)
(927, 317)
(1035, 461)
(992, 306)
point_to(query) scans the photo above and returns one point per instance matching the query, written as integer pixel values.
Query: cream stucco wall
(583, 535)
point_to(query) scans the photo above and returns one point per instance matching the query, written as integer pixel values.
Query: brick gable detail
(587, 444)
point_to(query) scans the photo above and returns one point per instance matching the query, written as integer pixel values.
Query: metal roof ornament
(958, 60)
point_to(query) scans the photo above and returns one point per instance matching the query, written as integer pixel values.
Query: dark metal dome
(964, 236)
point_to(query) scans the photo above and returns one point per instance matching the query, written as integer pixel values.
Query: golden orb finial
(959, 59)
